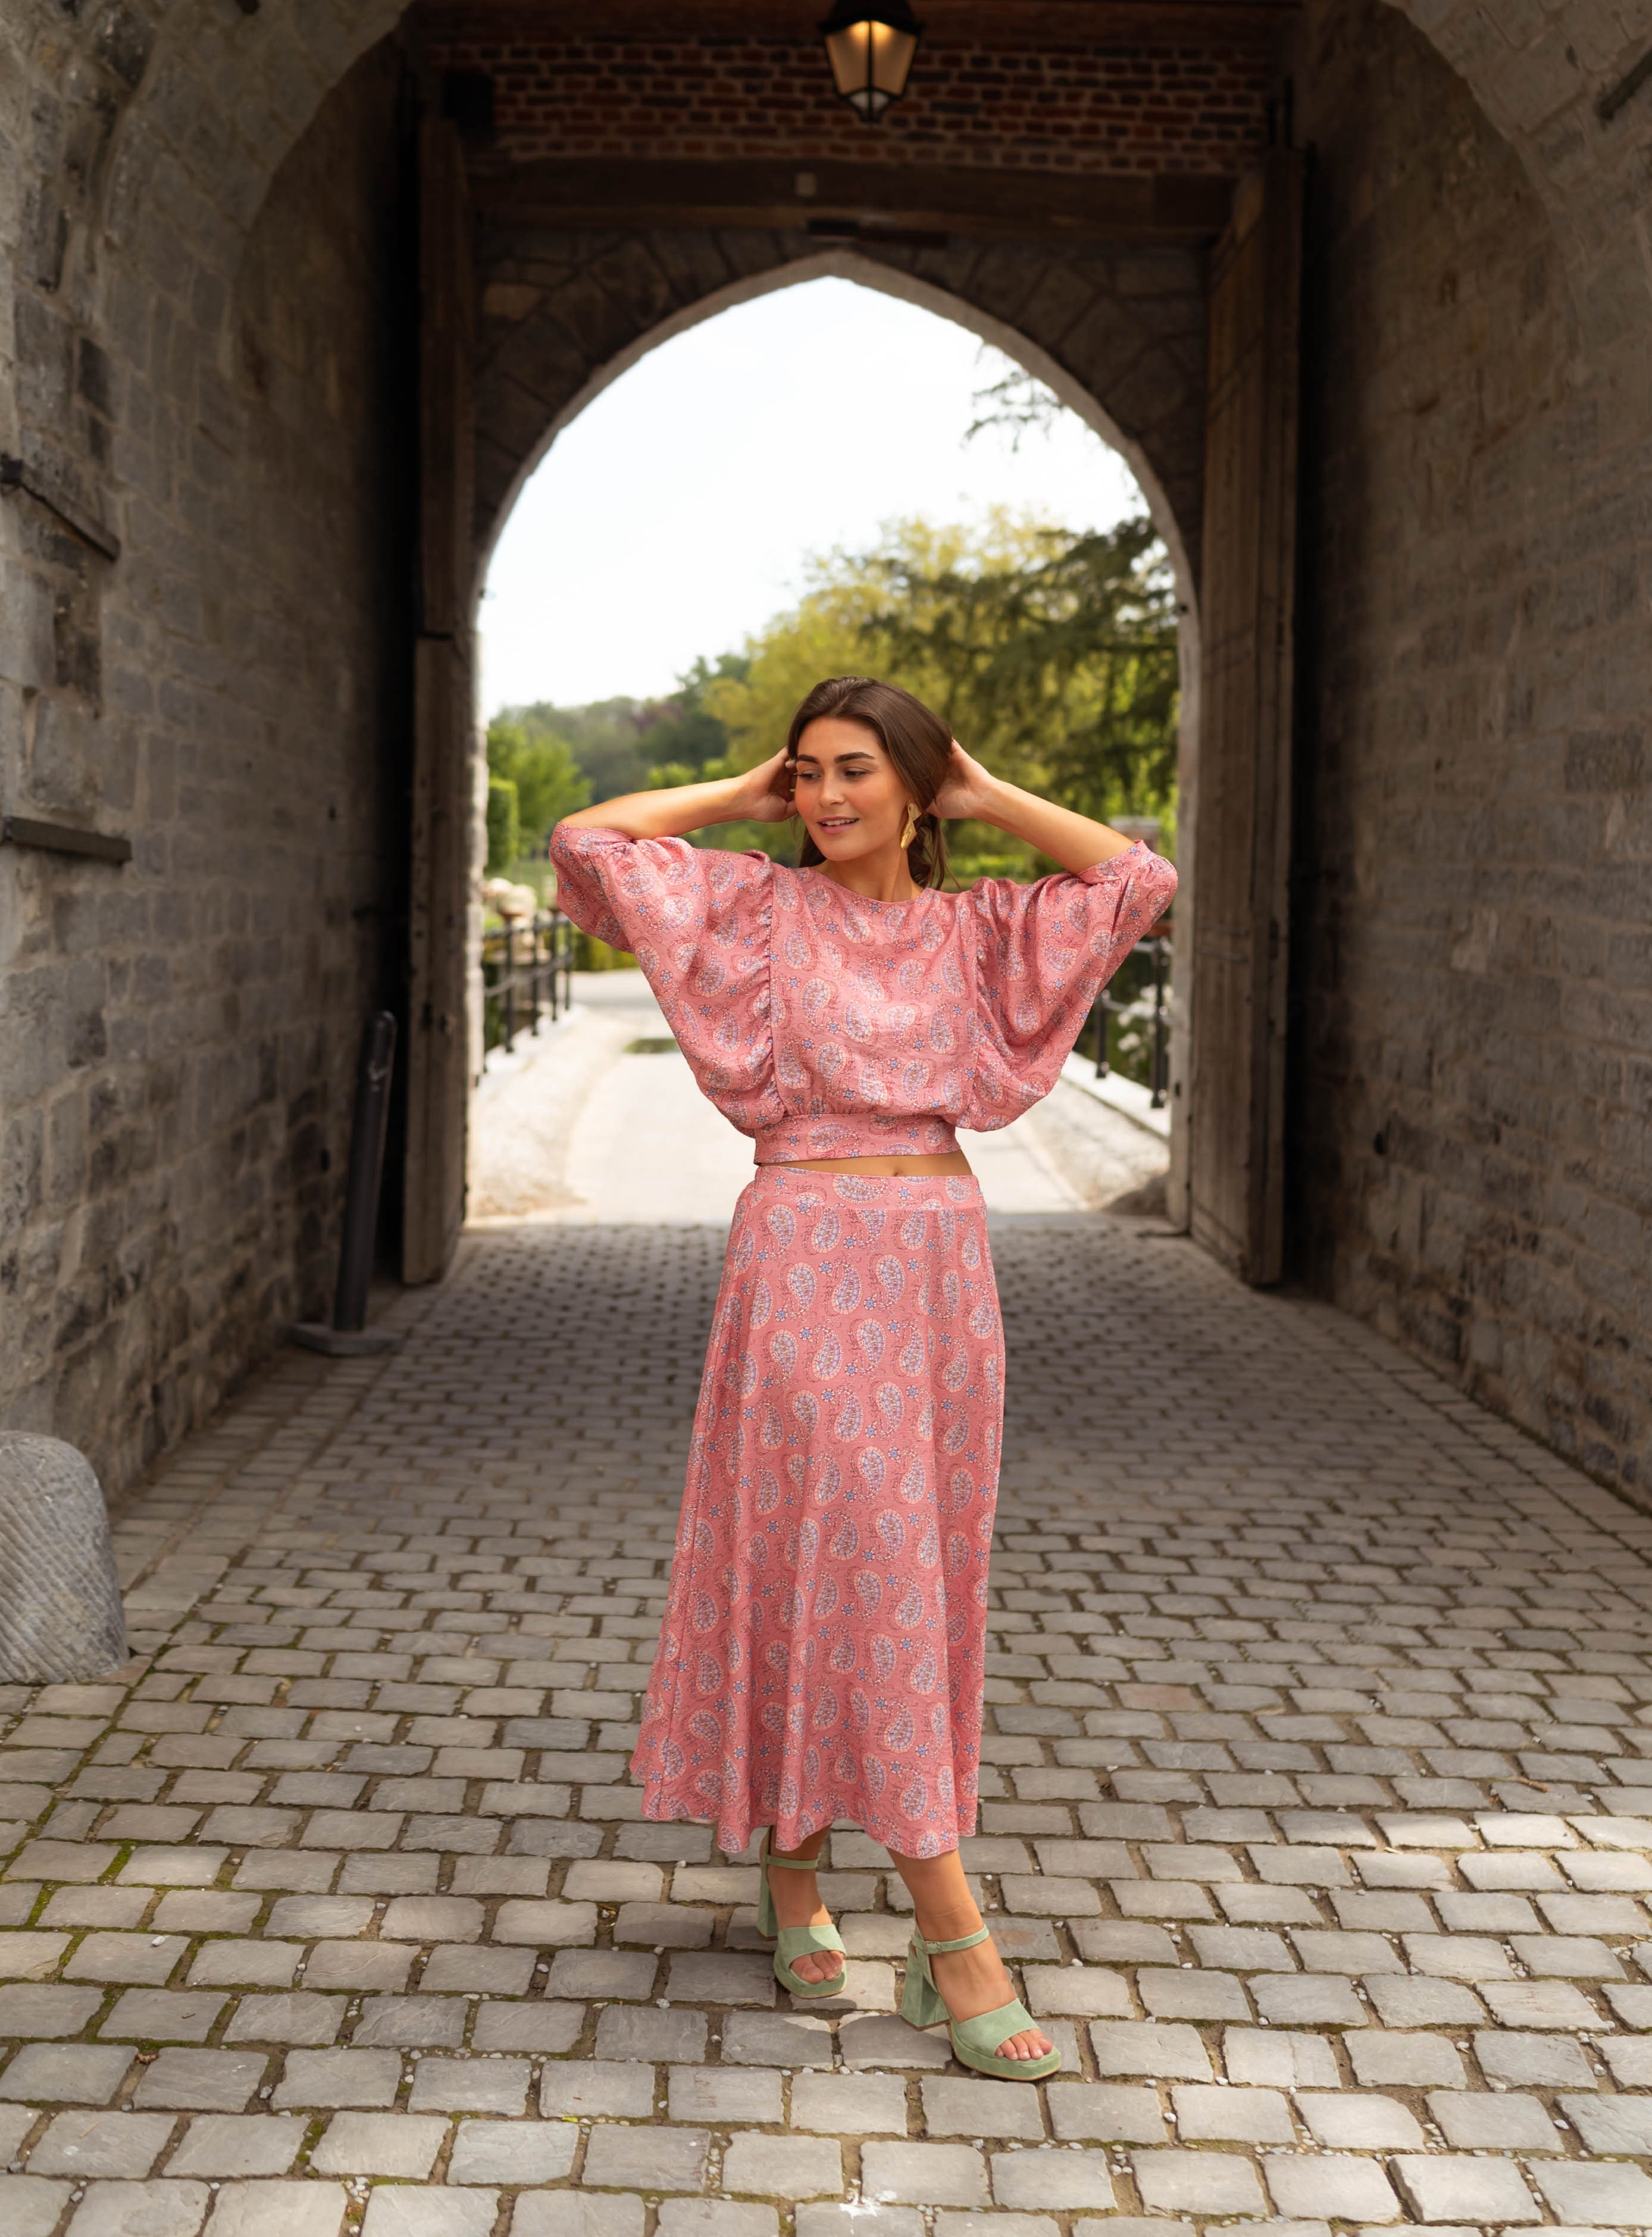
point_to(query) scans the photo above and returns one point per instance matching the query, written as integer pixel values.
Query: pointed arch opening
(540, 332)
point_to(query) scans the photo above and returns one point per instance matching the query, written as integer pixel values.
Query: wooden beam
(441, 992)
(64, 839)
(1012, 25)
(1241, 924)
(606, 191)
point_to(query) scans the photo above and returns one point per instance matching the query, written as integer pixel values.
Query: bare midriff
(883, 1169)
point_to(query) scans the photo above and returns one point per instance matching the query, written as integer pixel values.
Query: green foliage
(643, 745)
(1018, 400)
(692, 729)
(590, 953)
(1052, 654)
(541, 767)
(622, 745)
(1062, 664)
(686, 733)
(504, 826)
(605, 741)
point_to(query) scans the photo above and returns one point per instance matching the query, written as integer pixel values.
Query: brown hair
(915, 739)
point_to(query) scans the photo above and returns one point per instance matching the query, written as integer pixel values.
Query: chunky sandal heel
(794, 1942)
(921, 2004)
(974, 2042)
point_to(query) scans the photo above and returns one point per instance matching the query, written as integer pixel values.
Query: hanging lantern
(870, 49)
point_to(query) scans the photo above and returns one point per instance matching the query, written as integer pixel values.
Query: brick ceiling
(1028, 115)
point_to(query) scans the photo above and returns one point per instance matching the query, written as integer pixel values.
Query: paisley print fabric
(826, 1026)
(822, 1656)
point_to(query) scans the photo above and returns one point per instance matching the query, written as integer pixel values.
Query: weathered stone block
(60, 1600)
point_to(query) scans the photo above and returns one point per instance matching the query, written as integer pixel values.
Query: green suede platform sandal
(791, 1942)
(974, 2042)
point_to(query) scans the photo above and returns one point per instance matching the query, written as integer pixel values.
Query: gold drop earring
(911, 831)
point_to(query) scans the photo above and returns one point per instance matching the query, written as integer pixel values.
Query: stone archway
(1119, 336)
(1130, 366)
(1565, 88)
(192, 200)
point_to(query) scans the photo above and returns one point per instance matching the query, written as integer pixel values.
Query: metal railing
(1151, 957)
(527, 974)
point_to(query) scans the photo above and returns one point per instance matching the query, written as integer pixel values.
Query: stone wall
(177, 1037)
(1473, 1062)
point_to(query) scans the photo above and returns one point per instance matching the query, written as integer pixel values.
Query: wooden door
(1241, 928)
(441, 899)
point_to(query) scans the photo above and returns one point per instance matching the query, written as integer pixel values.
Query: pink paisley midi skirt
(822, 1653)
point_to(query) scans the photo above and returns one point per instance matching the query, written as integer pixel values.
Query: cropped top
(826, 1026)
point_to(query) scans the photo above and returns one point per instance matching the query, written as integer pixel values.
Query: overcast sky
(672, 517)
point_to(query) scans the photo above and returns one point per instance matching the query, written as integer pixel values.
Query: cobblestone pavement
(1318, 1780)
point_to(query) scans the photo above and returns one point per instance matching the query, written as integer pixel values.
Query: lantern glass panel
(892, 52)
(870, 63)
(847, 52)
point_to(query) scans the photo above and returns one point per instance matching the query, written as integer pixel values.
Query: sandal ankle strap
(941, 1949)
(788, 1864)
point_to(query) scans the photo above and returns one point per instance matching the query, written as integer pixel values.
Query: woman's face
(848, 793)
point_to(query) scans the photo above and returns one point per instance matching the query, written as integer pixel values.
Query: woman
(822, 1653)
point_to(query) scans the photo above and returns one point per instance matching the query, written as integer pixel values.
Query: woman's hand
(763, 794)
(966, 788)
(1075, 841)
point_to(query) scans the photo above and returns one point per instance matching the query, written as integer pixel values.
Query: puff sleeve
(698, 922)
(1043, 953)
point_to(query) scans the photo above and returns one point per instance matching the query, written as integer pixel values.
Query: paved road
(1317, 1781)
(578, 1126)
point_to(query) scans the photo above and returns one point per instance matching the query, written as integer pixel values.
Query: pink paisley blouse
(826, 1026)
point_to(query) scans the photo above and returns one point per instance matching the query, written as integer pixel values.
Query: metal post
(349, 1333)
(1101, 1036)
(510, 983)
(1160, 1066)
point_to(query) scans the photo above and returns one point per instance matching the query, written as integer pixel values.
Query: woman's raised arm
(1077, 842)
(758, 795)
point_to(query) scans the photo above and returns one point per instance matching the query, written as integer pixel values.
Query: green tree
(686, 733)
(547, 779)
(1017, 400)
(616, 745)
(504, 826)
(1056, 652)
(605, 740)
(1052, 654)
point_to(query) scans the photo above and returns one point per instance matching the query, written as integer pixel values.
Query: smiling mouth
(838, 822)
